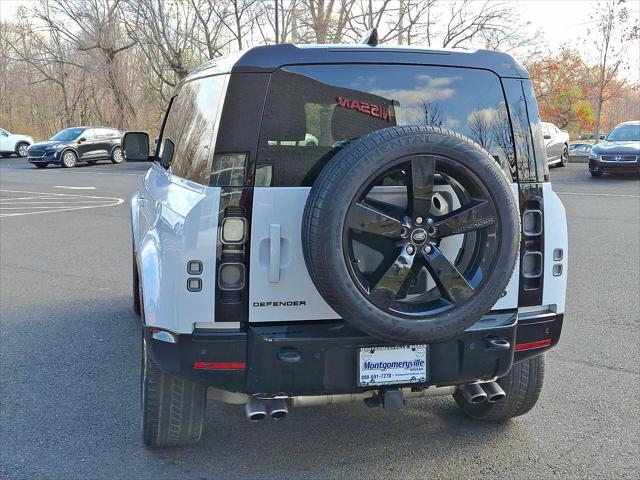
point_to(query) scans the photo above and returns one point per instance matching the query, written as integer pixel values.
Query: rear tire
(564, 158)
(21, 149)
(522, 385)
(596, 174)
(117, 156)
(173, 408)
(339, 186)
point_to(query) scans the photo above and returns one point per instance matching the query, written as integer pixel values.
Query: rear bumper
(614, 167)
(321, 358)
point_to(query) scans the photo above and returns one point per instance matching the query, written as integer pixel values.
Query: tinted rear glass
(313, 111)
(187, 141)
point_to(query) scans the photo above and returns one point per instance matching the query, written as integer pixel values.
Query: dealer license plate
(392, 365)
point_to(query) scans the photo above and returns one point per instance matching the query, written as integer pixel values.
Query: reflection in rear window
(313, 111)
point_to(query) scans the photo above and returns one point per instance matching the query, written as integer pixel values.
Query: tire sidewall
(64, 155)
(113, 155)
(366, 159)
(18, 146)
(564, 158)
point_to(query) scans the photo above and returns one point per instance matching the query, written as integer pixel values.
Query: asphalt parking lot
(69, 354)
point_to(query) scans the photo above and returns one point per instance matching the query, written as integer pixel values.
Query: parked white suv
(13, 143)
(388, 259)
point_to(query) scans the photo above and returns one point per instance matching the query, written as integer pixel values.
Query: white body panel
(555, 237)
(283, 207)
(277, 213)
(175, 221)
(9, 141)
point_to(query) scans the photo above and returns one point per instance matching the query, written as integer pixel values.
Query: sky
(560, 22)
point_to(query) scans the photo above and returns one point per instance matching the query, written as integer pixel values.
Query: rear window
(313, 111)
(187, 140)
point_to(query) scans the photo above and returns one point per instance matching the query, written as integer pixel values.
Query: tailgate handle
(274, 253)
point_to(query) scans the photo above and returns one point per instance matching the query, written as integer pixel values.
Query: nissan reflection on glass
(619, 152)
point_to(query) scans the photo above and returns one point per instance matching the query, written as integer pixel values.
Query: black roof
(271, 57)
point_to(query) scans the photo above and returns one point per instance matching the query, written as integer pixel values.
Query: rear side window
(89, 134)
(104, 133)
(313, 111)
(187, 140)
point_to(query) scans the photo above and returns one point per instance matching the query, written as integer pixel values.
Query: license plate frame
(393, 365)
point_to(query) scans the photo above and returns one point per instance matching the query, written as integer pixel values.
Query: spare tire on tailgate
(411, 233)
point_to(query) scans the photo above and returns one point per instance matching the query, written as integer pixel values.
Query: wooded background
(116, 62)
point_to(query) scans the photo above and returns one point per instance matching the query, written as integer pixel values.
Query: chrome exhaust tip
(278, 408)
(255, 409)
(494, 392)
(473, 393)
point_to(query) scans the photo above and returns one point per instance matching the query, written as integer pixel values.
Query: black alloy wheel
(411, 233)
(407, 238)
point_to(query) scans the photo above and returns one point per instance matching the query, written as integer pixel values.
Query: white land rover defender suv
(415, 248)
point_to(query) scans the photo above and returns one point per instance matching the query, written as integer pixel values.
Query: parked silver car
(557, 143)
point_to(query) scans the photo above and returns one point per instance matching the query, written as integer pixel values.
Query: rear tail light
(231, 265)
(533, 345)
(233, 231)
(231, 276)
(532, 260)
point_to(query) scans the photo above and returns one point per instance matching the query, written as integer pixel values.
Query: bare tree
(480, 124)
(469, 19)
(432, 114)
(93, 25)
(236, 16)
(48, 55)
(327, 19)
(163, 29)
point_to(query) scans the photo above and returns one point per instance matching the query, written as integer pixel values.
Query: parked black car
(71, 145)
(620, 151)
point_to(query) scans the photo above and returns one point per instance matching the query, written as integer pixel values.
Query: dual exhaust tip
(476, 393)
(257, 408)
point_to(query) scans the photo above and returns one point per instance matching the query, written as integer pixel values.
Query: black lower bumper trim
(321, 358)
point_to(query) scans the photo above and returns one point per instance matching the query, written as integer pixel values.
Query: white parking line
(598, 194)
(74, 188)
(51, 202)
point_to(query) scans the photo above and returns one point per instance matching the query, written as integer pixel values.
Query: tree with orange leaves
(562, 90)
